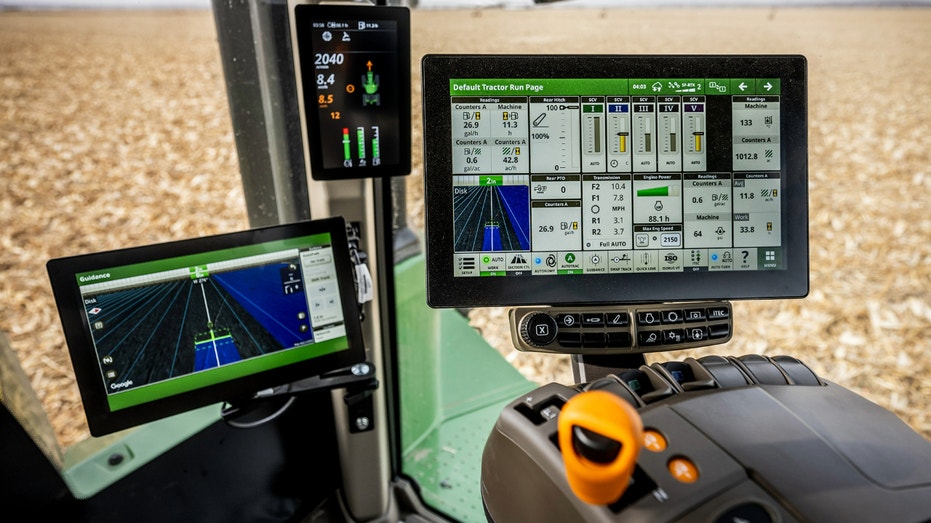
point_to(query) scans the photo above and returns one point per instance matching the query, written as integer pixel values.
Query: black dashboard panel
(621, 329)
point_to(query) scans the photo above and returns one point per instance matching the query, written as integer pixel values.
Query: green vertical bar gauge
(347, 156)
(360, 141)
(376, 153)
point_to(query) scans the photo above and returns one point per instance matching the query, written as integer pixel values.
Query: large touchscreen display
(617, 175)
(164, 328)
(633, 178)
(159, 326)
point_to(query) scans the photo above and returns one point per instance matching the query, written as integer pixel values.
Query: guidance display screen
(171, 324)
(354, 66)
(609, 169)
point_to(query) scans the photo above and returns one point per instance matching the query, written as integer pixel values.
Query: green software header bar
(612, 86)
(199, 260)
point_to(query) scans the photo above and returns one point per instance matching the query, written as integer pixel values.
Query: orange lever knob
(600, 436)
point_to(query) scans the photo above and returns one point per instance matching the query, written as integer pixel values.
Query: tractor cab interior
(318, 366)
(616, 203)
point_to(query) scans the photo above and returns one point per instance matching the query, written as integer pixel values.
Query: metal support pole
(255, 48)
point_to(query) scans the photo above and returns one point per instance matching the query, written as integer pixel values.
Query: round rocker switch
(538, 329)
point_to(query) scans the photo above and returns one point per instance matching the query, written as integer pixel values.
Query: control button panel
(679, 469)
(621, 329)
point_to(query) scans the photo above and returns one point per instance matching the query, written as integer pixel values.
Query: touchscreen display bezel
(105, 416)
(445, 289)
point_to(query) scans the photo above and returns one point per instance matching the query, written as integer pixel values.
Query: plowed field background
(115, 131)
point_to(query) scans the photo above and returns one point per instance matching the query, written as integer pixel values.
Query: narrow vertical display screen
(355, 75)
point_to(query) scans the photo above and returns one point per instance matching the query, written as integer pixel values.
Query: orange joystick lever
(600, 437)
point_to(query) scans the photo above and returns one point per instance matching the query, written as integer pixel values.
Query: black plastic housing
(444, 289)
